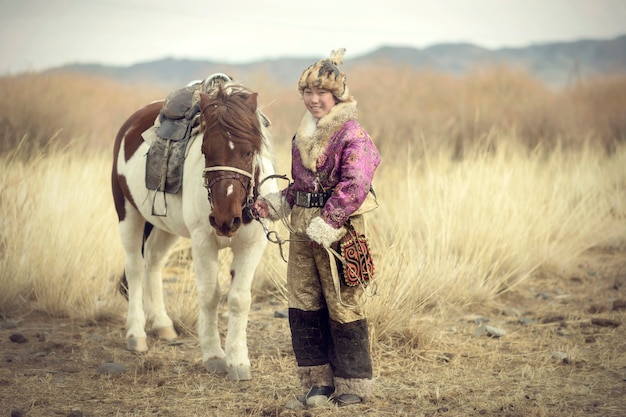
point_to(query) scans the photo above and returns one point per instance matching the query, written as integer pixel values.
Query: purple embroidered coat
(334, 153)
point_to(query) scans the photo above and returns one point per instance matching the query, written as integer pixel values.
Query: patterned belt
(311, 199)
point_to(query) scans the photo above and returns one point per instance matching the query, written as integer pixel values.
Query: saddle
(177, 116)
(177, 123)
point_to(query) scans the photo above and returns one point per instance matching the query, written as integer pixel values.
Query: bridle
(233, 174)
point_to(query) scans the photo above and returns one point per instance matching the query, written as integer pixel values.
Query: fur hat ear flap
(326, 74)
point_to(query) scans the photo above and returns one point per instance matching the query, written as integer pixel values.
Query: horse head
(231, 142)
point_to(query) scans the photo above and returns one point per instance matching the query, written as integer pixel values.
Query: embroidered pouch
(358, 266)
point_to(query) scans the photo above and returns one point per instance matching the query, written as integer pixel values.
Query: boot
(310, 336)
(350, 356)
(320, 380)
(311, 343)
(351, 362)
(352, 390)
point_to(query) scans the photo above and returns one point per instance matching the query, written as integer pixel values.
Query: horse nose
(225, 227)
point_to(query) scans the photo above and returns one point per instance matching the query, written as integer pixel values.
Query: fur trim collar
(313, 135)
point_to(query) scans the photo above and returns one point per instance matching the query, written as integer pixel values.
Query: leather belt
(311, 199)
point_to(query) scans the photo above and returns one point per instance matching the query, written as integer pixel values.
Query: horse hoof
(240, 373)
(166, 333)
(137, 344)
(216, 366)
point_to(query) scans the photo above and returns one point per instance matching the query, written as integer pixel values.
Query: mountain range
(556, 64)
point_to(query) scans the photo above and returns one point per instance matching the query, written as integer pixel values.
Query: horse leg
(131, 235)
(245, 262)
(205, 260)
(156, 249)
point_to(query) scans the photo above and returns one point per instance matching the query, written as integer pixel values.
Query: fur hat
(325, 74)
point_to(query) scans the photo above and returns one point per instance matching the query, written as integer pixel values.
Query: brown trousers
(309, 277)
(326, 328)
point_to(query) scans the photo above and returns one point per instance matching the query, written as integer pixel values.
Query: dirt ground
(563, 354)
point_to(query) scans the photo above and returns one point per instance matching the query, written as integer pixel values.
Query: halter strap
(251, 185)
(227, 168)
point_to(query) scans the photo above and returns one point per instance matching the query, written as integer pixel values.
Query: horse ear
(203, 99)
(251, 101)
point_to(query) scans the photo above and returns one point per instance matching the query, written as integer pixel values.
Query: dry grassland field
(499, 243)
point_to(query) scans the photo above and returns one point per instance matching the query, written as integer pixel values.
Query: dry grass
(491, 186)
(55, 109)
(57, 235)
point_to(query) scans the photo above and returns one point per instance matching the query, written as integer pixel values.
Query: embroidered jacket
(336, 154)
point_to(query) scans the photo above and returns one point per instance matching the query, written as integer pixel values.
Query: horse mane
(227, 108)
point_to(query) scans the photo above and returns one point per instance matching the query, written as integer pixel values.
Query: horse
(224, 167)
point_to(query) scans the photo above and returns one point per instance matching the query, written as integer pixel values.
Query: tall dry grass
(451, 234)
(36, 110)
(59, 250)
(486, 181)
(488, 107)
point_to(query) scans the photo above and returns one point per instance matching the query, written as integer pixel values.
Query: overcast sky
(40, 34)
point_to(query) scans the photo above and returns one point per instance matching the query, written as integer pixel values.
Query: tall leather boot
(351, 362)
(311, 343)
(310, 337)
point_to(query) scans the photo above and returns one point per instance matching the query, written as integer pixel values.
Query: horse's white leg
(205, 260)
(245, 262)
(156, 249)
(131, 235)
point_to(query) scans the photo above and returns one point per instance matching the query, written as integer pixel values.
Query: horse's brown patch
(130, 133)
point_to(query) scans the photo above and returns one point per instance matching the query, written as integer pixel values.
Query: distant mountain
(557, 64)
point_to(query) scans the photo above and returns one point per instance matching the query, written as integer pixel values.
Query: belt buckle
(303, 199)
(318, 201)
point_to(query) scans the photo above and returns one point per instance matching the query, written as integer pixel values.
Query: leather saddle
(178, 115)
(177, 123)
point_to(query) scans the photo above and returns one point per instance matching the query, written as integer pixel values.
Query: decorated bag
(357, 266)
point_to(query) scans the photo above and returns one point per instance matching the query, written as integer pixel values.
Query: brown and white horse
(227, 159)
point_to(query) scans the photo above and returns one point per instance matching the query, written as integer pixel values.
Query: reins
(272, 236)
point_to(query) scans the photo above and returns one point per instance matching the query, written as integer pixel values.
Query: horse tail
(123, 284)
